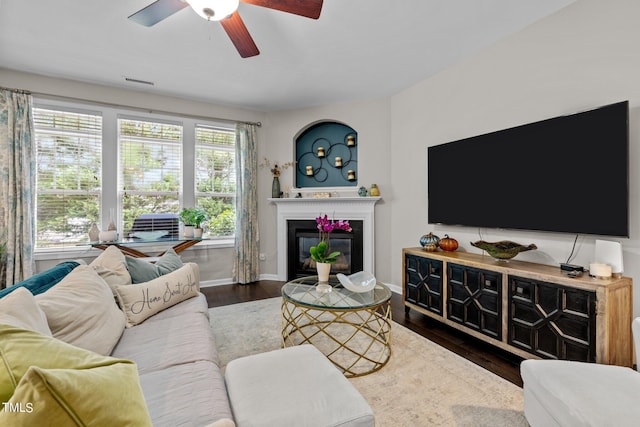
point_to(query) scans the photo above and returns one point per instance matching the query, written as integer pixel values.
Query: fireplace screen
(302, 234)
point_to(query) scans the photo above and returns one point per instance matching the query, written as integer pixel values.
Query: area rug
(423, 384)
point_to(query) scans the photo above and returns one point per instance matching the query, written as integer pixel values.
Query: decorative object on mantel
(374, 191)
(321, 253)
(276, 170)
(448, 244)
(362, 191)
(429, 242)
(503, 250)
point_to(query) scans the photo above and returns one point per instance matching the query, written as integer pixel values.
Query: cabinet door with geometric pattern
(552, 321)
(423, 282)
(474, 299)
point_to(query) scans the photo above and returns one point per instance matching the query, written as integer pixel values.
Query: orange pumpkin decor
(448, 244)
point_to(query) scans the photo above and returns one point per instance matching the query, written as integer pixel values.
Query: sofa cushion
(142, 300)
(81, 311)
(112, 267)
(580, 394)
(20, 309)
(142, 270)
(264, 388)
(160, 343)
(102, 395)
(198, 304)
(40, 282)
(21, 349)
(191, 394)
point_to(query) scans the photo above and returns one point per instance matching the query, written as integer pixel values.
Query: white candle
(599, 270)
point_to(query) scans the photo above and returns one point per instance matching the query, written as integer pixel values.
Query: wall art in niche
(327, 156)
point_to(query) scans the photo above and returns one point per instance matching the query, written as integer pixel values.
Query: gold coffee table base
(356, 340)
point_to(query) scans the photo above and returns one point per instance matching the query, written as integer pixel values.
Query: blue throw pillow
(142, 270)
(39, 283)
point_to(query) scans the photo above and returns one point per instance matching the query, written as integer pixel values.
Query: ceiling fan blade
(308, 8)
(157, 11)
(239, 35)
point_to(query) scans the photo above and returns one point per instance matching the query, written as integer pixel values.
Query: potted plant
(199, 216)
(192, 218)
(322, 253)
(186, 216)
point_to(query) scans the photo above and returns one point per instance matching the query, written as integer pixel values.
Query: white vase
(323, 269)
(197, 233)
(187, 231)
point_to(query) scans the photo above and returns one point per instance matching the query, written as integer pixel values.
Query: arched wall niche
(326, 154)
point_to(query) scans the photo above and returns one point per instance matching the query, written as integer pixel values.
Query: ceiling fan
(226, 12)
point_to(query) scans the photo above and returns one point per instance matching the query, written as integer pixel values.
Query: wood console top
(523, 268)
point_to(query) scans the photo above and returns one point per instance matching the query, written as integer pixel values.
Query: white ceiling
(357, 50)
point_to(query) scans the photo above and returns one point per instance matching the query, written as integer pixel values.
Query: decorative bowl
(504, 249)
(362, 281)
(150, 235)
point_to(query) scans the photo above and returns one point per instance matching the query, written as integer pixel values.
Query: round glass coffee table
(352, 329)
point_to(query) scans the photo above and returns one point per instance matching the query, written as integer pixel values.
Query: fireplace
(302, 234)
(354, 209)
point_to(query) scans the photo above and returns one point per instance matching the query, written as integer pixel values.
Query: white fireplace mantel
(339, 208)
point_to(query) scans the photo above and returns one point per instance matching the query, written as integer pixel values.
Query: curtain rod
(112, 105)
(25, 92)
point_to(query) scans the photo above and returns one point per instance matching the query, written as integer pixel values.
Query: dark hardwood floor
(489, 357)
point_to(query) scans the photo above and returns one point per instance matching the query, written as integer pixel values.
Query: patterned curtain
(17, 182)
(245, 269)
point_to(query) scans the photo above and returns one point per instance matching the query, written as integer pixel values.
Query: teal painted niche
(327, 156)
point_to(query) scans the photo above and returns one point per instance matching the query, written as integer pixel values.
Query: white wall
(584, 56)
(215, 263)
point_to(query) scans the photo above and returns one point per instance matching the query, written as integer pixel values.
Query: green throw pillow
(42, 376)
(144, 271)
(107, 395)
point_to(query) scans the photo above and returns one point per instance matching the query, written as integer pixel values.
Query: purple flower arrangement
(322, 252)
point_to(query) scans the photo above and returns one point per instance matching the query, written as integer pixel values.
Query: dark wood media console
(528, 309)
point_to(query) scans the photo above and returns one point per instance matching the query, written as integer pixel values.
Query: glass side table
(352, 329)
(128, 245)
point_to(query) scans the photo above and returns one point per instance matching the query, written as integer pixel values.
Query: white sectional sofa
(560, 393)
(74, 329)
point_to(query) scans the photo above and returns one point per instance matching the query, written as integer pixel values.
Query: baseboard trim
(229, 281)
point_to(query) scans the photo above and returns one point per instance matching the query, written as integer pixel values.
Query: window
(150, 168)
(69, 159)
(110, 163)
(215, 178)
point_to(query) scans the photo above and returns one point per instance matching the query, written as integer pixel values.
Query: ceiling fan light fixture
(214, 10)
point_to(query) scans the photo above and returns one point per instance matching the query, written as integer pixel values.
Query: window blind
(215, 176)
(69, 162)
(150, 168)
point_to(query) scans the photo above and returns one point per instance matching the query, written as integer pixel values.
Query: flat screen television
(565, 174)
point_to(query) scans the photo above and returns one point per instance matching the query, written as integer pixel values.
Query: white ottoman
(567, 394)
(295, 386)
